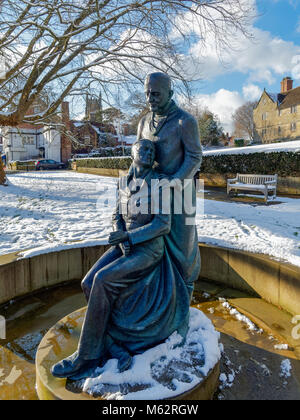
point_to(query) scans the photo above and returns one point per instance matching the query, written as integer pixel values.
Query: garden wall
(275, 281)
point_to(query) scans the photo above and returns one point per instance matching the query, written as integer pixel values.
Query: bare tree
(2, 174)
(209, 125)
(243, 120)
(62, 48)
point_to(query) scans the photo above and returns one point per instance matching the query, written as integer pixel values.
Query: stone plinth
(189, 371)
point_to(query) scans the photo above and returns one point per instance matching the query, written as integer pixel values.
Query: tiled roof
(292, 97)
(286, 100)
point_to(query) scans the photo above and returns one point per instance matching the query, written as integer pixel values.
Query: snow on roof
(78, 123)
(98, 131)
(290, 146)
(129, 139)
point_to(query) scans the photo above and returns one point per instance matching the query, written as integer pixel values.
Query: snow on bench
(260, 183)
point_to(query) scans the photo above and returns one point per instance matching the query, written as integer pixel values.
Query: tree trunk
(2, 174)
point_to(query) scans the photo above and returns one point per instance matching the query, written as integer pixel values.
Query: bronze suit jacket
(178, 155)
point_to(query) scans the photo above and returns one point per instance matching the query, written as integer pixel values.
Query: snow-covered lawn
(273, 230)
(59, 209)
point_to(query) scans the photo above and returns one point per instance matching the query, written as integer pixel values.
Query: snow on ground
(53, 208)
(286, 368)
(272, 230)
(289, 146)
(58, 209)
(240, 317)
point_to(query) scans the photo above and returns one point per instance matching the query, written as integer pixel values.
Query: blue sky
(273, 53)
(261, 62)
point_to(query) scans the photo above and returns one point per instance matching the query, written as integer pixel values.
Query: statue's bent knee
(101, 277)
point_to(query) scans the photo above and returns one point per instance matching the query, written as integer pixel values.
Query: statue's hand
(125, 248)
(117, 237)
(166, 180)
(161, 175)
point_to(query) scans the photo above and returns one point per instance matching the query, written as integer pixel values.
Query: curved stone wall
(275, 281)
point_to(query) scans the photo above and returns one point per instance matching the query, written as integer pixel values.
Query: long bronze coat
(178, 156)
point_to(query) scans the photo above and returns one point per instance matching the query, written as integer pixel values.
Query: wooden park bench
(262, 183)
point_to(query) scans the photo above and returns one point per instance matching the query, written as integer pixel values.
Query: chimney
(65, 114)
(286, 84)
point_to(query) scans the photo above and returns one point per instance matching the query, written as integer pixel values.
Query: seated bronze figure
(136, 298)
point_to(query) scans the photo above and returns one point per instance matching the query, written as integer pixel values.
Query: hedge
(19, 165)
(107, 163)
(114, 151)
(281, 163)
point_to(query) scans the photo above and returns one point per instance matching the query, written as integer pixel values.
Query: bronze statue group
(138, 293)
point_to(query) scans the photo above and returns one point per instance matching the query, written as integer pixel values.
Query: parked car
(43, 164)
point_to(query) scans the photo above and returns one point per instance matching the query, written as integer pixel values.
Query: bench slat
(263, 183)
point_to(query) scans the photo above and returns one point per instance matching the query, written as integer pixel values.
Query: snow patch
(242, 318)
(202, 338)
(285, 369)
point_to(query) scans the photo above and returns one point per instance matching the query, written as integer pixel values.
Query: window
(264, 116)
(279, 131)
(293, 126)
(293, 109)
(263, 132)
(28, 140)
(87, 140)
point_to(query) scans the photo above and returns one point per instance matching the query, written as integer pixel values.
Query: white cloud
(263, 57)
(262, 75)
(296, 67)
(223, 103)
(251, 92)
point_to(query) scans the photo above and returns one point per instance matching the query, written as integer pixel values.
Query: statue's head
(143, 153)
(158, 91)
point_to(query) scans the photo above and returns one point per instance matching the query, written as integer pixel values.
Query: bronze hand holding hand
(115, 238)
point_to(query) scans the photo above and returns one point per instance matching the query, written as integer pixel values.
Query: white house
(31, 143)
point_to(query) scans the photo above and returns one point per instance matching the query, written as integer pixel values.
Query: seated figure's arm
(160, 225)
(118, 222)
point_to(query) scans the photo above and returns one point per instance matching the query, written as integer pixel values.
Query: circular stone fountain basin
(30, 317)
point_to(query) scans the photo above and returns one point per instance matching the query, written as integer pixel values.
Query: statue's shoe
(124, 362)
(72, 365)
(117, 351)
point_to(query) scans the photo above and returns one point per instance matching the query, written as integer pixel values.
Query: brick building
(277, 115)
(89, 135)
